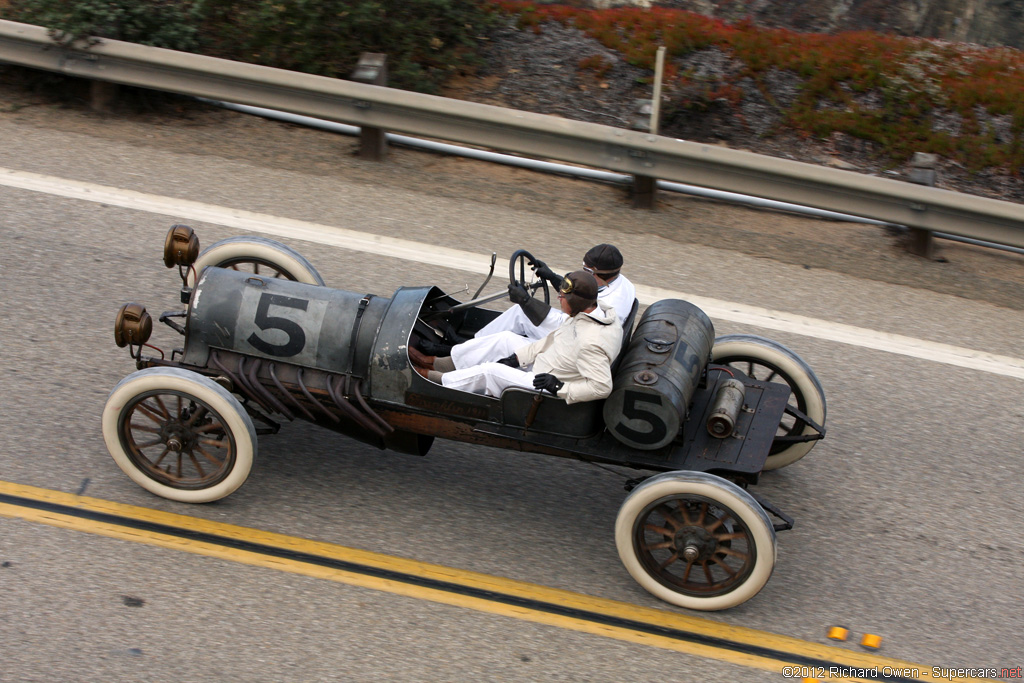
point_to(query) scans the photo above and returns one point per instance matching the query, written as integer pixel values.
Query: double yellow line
(495, 595)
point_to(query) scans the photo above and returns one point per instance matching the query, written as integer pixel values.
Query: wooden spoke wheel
(695, 540)
(179, 434)
(259, 256)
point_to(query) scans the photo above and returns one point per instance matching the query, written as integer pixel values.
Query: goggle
(567, 286)
(603, 275)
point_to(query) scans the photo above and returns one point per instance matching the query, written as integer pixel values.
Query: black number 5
(632, 410)
(296, 337)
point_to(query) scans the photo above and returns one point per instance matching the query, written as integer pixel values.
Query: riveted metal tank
(280, 320)
(659, 373)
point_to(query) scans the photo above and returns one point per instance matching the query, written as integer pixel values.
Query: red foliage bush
(891, 90)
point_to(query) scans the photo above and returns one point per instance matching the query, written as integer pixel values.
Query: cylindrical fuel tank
(280, 320)
(659, 373)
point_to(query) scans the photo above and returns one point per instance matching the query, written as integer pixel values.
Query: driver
(573, 362)
(532, 318)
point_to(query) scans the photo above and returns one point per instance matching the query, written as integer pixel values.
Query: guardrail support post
(922, 172)
(645, 191)
(645, 188)
(102, 95)
(373, 69)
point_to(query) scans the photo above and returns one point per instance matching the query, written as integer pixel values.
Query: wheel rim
(694, 545)
(177, 440)
(257, 266)
(763, 371)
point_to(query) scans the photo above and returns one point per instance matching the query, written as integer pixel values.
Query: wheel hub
(694, 543)
(176, 436)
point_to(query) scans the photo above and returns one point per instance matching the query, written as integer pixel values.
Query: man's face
(601, 282)
(563, 304)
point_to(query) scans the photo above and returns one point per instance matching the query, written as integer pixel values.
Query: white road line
(183, 209)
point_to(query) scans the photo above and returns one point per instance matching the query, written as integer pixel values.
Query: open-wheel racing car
(265, 341)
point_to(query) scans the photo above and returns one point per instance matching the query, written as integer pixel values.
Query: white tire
(695, 540)
(765, 359)
(257, 255)
(179, 435)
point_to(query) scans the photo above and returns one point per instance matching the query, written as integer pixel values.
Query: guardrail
(533, 135)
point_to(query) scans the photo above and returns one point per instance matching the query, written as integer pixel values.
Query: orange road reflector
(837, 633)
(872, 641)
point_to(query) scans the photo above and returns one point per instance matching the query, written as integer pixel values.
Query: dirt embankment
(540, 71)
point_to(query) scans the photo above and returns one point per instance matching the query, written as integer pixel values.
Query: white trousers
(502, 336)
(489, 378)
(514, 320)
(487, 349)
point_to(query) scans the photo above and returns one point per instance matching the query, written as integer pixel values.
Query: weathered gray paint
(224, 308)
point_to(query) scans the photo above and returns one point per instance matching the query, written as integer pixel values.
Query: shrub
(162, 23)
(425, 40)
(596, 64)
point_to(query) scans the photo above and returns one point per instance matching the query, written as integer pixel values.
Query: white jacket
(619, 294)
(580, 353)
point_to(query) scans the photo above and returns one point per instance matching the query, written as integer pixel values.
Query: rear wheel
(260, 256)
(179, 435)
(768, 361)
(695, 540)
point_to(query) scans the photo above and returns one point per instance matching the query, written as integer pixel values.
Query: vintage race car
(264, 340)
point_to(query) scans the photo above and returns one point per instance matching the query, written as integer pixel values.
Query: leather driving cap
(604, 258)
(582, 284)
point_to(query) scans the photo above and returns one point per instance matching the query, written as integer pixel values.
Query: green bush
(424, 39)
(162, 23)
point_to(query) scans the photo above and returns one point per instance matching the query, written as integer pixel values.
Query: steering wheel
(518, 262)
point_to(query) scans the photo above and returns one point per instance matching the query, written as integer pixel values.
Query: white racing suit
(502, 336)
(579, 353)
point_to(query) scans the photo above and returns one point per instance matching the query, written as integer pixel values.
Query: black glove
(512, 361)
(545, 273)
(517, 293)
(535, 310)
(547, 382)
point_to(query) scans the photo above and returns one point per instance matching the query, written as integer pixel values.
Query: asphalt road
(909, 515)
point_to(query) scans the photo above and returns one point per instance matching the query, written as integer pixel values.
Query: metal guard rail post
(529, 134)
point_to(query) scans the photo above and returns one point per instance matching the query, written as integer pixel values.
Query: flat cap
(604, 258)
(582, 284)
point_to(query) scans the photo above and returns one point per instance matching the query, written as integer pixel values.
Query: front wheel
(179, 435)
(695, 540)
(257, 255)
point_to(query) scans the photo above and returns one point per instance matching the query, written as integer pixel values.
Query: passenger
(573, 361)
(532, 318)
